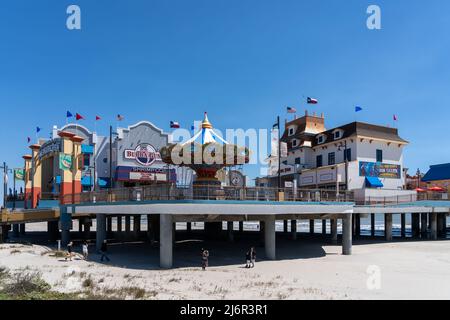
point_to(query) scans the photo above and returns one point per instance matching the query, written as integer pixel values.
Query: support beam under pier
(433, 225)
(347, 234)
(101, 230)
(166, 241)
(334, 233)
(388, 226)
(293, 229)
(269, 238)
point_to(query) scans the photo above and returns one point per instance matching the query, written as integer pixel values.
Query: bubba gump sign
(144, 154)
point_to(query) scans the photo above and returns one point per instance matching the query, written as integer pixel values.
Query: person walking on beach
(253, 256)
(103, 251)
(69, 251)
(85, 250)
(205, 255)
(248, 259)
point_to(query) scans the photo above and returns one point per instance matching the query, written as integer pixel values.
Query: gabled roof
(438, 172)
(365, 130)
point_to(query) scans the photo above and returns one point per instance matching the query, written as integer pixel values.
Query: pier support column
(403, 225)
(230, 231)
(166, 241)
(136, 226)
(80, 227)
(188, 227)
(293, 229)
(433, 225)
(334, 233)
(4, 230)
(285, 226)
(347, 234)
(311, 226)
(119, 228)
(15, 228)
(324, 227)
(52, 230)
(66, 225)
(441, 225)
(372, 224)
(388, 226)
(127, 226)
(213, 230)
(101, 230)
(87, 229)
(269, 237)
(357, 225)
(415, 224)
(22, 229)
(241, 226)
(423, 225)
(108, 225)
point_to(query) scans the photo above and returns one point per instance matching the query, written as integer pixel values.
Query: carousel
(206, 153)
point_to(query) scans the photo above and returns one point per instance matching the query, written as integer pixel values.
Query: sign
(283, 149)
(52, 146)
(379, 170)
(19, 174)
(65, 161)
(144, 154)
(144, 174)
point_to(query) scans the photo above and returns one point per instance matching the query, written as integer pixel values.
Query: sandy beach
(305, 269)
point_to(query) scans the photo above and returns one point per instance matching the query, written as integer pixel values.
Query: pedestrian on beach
(248, 259)
(69, 251)
(205, 255)
(103, 251)
(253, 256)
(85, 250)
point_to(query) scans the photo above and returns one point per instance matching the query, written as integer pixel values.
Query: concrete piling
(101, 230)
(294, 229)
(269, 238)
(166, 241)
(388, 226)
(334, 233)
(347, 234)
(433, 225)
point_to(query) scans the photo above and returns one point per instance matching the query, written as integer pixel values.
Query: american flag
(291, 110)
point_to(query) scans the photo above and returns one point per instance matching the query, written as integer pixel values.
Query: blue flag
(192, 128)
(358, 109)
(38, 129)
(69, 114)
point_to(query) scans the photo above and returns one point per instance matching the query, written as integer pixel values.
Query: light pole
(346, 162)
(279, 153)
(111, 133)
(5, 183)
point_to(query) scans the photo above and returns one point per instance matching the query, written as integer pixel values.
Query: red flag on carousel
(79, 117)
(97, 118)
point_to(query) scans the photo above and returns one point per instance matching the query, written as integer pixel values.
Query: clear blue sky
(242, 61)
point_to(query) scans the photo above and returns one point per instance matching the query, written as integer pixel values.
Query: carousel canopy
(205, 135)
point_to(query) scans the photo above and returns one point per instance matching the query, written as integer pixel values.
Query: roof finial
(206, 124)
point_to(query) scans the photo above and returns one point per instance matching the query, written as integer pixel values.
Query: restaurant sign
(379, 170)
(144, 154)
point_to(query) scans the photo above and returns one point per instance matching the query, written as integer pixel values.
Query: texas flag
(310, 100)
(79, 117)
(174, 124)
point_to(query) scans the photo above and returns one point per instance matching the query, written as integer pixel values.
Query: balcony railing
(207, 192)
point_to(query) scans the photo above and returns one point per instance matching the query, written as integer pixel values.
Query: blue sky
(242, 61)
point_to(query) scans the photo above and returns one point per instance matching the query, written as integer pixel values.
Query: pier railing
(399, 199)
(207, 192)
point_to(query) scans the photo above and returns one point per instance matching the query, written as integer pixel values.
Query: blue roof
(438, 172)
(87, 149)
(373, 182)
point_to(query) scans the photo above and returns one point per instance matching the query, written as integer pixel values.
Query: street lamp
(344, 146)
(6, 170)
(111, 133)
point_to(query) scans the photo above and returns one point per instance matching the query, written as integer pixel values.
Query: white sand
(307, 270)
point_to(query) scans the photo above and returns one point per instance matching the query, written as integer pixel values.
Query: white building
(317, 157)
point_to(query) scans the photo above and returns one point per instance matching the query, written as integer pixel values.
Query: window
(294, 143)
(337, 135)
(291, 131)
(319, 161)
(348, 155)
(331, 158)
(320, 139)
(298, 160)
(379, 155)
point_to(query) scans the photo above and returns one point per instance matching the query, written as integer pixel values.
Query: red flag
(395, 117)
(97, 118)
(79, 117)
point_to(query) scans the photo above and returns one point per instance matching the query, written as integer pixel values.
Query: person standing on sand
(248, 259)
(85, 250)
(253, 256)
(69, 251)
(205, 255)
(103, 251)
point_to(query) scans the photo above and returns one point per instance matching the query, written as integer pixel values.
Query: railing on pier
(207, 192)
(399, 199)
